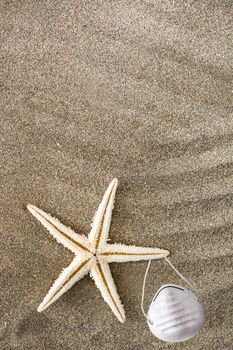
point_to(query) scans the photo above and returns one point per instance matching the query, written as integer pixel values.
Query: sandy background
(92, 90)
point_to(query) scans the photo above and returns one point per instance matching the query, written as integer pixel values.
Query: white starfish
(93, 254)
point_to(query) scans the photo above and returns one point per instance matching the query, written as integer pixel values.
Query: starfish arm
(124, 253)
(102, 219)
(63, 234)
(69, 276)
(101, 274)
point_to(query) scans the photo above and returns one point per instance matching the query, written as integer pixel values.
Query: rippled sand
(92, 90)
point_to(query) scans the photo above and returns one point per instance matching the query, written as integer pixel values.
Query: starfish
(93, 254)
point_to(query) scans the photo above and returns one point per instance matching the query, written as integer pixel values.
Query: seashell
(175, 314)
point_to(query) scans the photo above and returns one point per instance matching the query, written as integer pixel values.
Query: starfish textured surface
(93, 254)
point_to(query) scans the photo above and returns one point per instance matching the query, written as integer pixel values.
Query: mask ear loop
(178, 273)
(143, 289)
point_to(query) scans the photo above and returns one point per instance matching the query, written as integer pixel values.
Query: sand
(138, 90)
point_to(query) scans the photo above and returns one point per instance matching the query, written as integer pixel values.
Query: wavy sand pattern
(92, 90)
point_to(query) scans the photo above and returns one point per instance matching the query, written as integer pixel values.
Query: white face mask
(175, 314)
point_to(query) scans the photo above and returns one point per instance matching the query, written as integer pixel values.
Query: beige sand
(91, 90)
